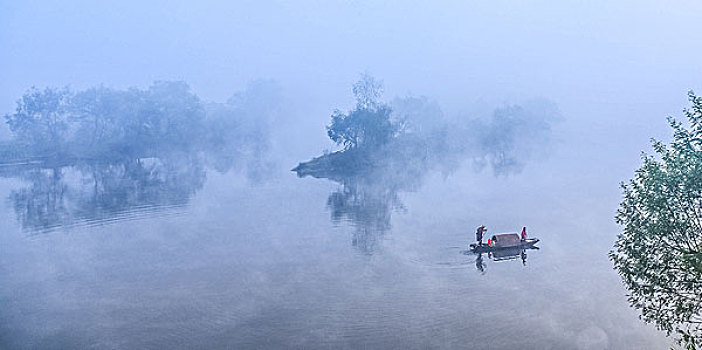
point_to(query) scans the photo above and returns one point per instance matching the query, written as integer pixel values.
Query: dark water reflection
(368, 194)
(367, 203)
(500, 255)
(95, 192)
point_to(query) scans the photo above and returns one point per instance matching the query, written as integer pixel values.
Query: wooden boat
(504, 241)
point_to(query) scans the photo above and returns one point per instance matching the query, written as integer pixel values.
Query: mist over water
(213, 242)
(148, 202)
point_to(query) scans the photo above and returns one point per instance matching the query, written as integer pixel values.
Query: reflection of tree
(42, 205)
(367, 198)
(659, 253)
(367, 206)
(370, 184)
(100, 191)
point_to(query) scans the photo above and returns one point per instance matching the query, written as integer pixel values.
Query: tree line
(167, 116)
(411, 131)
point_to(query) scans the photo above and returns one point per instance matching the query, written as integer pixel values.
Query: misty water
(168, 252)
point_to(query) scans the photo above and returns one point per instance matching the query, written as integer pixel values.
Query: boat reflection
(505, 254)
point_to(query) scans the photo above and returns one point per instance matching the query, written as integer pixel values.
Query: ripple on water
(132, 214)
(454, 257)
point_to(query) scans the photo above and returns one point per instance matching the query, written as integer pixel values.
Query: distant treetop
(367, 91)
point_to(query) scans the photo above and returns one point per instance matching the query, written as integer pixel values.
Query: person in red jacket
(524, 235)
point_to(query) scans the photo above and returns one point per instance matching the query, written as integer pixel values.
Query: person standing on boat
(524, 235)
(479, 234)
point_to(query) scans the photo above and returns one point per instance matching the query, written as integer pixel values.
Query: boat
(505, 241)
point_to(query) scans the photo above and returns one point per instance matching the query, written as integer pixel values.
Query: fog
(601, 62)
(128, 121)
(614, 70)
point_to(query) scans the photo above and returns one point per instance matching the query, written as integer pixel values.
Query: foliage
(42, 117)
(368, 124)
(367, 92)
(659, 252)
(100, 120)
(415, 130)
(514, 134)
(104, 122)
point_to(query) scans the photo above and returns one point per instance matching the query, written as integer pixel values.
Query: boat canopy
(506, 240)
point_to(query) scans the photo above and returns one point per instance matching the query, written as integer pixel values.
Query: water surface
(167, 253)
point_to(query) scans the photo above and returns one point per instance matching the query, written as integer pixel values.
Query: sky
(619, 66)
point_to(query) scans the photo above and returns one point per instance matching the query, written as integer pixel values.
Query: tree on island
(368, 124)
(659, 253)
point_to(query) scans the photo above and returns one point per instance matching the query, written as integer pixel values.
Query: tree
(103, 116)
(659, 253)
(41, 118)
(167, 115)
(368, 124)
(367, 92)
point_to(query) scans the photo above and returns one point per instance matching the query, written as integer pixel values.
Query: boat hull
(527, 244)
